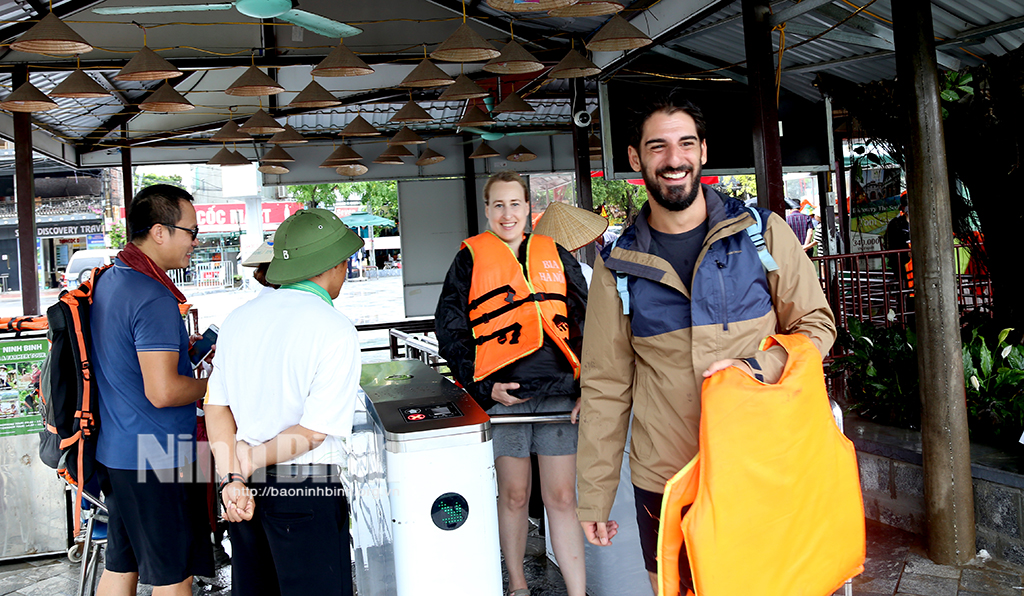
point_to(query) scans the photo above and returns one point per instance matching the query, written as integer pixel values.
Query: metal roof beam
(794, 11)
(838, 36)
(981, 33)
(699, 63)
(871, 27)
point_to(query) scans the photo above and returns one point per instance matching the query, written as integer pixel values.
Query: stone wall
(893, 485)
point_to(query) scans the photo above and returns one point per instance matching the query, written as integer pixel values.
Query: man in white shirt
(279, 410)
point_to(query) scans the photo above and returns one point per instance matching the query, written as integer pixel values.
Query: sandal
(521, 592)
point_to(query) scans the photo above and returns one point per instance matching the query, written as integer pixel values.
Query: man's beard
(677, 197)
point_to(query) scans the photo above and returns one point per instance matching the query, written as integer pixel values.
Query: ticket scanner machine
(423, 500)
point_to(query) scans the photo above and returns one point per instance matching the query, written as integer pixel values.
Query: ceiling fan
(286, 10)
(494, 135)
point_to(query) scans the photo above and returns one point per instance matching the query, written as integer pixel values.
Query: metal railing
(212, 274)
(866, 286)
(420, 347)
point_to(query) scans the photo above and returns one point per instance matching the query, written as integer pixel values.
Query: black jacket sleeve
(451, 325)
(576, 299)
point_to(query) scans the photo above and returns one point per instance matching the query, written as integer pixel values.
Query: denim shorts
(520, 440)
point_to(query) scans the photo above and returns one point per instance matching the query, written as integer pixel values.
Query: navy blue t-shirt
(132, 313)
(681, 250)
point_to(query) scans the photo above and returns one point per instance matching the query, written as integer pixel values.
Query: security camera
(581, 118)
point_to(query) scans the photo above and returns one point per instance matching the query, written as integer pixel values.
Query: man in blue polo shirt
(159, 532)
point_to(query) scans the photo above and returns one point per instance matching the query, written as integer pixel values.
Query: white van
(82, 263)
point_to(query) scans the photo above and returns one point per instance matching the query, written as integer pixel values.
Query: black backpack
(67, 389)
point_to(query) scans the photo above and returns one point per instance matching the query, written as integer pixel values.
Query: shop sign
(95, 241)
(68, 229)
(230, 217)
(20, 361)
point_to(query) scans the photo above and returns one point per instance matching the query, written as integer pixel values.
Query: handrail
(548, 418)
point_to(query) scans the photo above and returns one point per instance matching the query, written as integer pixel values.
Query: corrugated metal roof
(401, 28)
(720, 39)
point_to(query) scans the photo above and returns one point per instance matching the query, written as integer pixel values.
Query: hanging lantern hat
(341, 62)
(465, 45)
(27, 98)
(618, 35)
(166, 99)
(79, 85)
(147, 65)
(254, 82)
(51, 36)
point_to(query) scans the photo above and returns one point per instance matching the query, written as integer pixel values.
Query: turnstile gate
(423, 496)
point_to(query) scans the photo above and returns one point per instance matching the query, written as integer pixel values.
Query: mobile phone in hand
(203, 346)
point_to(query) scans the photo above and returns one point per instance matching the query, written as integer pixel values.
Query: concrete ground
(896, 565)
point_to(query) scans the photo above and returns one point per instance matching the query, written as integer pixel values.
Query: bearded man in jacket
(683, 293)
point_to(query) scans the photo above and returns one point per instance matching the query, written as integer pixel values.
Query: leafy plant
(118, 235)
(955, 85)
(880, 370)
(995, 383)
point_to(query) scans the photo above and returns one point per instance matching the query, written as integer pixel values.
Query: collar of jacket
(631, 254)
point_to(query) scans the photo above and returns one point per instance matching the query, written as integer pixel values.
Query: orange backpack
(776, 506)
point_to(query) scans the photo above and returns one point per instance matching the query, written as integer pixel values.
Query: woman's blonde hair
(506, 176)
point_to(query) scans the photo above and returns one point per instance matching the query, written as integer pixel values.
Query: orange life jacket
(510, 313)
(775, 485)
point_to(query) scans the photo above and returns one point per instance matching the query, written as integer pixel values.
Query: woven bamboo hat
(465, 45)
(618, 35)
(263, 254)
(570, 226)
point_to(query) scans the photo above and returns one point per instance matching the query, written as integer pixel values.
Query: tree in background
(315, 195)
(620, 198)
(741, 187)
(149, 179)
(379, 196)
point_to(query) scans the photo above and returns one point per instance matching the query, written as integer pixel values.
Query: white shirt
(285, 358)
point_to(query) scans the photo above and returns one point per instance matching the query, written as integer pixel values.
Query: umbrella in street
(362, 219)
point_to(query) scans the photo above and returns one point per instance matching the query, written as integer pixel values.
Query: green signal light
(449, 511)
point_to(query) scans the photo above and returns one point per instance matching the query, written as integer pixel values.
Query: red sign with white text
(218, 218)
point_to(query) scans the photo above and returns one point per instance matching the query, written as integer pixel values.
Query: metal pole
(469, 181)
(24, 191)
(843, 237)
(948, 490)
(126, 178)
(581, 147)
(757, 38)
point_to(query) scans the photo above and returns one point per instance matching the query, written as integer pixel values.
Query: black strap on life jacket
(505, 289)
(501, 335)
(535, 297)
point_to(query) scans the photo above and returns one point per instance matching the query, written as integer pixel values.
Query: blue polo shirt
(132, 313)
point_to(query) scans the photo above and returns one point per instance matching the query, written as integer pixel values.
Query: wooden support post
(948, 490)
(469, 179)
(757, 38)
(581, 148)
(24, 192)
(126, 178)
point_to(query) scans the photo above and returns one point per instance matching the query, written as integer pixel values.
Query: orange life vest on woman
(510, 313)
(775, 486)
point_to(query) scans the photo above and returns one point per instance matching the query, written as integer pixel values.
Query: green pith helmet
(309, 243)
